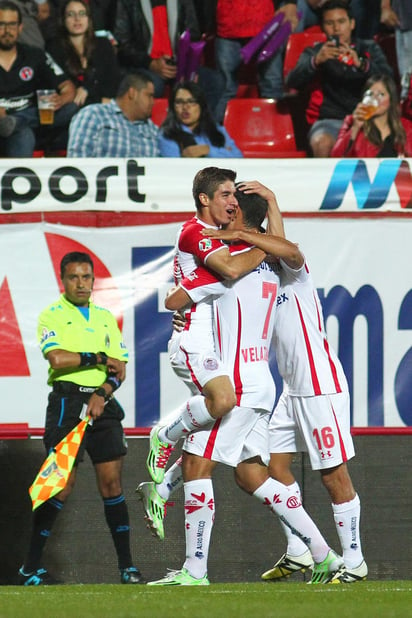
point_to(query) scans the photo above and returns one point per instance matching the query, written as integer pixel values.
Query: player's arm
(177, 298)
(234, 266)
(272, 245)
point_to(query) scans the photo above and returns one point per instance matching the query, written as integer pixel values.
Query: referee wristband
(114, 382)
(88, 359)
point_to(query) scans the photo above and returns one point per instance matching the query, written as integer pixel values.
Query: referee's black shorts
(104, 439)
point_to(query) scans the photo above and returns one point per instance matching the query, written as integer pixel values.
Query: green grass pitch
(369, 599)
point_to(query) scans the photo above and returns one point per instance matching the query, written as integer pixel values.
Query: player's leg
(249, 476)
(199, 517)
(346, 512)
(154, 497)
(198, 413)
(325, 425)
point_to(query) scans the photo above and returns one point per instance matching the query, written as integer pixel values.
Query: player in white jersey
(214, 194)
(313, 415)
(243, 324)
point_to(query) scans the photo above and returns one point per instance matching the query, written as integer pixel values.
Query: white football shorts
(195, 370)
(240, 435)
(318, 425)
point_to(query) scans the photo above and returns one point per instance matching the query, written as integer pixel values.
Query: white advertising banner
(359, 267)
(164, 185)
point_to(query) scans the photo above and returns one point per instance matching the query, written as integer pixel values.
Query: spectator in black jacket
(23, 70)
(335, 73)
(89, 61)
(147, 34)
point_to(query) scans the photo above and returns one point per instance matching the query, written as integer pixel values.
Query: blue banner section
(151, 333)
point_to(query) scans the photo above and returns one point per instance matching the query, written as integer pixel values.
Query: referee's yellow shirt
(63, 326)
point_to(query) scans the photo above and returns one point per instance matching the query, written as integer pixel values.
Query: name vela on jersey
(255, 354)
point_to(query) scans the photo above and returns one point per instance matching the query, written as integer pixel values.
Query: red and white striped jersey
(306, 362)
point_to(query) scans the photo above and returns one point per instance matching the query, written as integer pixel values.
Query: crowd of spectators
(87, 50)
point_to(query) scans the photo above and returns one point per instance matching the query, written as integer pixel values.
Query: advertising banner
(359, 267)
(164, 185)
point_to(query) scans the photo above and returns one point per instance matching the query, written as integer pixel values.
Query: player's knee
(222, 404)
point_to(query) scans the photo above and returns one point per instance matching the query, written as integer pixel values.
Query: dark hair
(394, 114)
(330, 5)
(254, 208)
(73, 64)
(208, 180)
(133, 79)
(75, 256)
(7, 5)
(172, 128)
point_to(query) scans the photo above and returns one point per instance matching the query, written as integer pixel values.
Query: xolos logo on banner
(370, 194)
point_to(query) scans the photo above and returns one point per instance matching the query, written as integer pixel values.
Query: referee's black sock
(117, 517)
(43, 520)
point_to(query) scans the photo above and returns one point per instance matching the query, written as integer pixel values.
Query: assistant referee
(87, 363)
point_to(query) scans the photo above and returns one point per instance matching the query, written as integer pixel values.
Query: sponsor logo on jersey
(46, 334)
(205, 244)
(26, 74)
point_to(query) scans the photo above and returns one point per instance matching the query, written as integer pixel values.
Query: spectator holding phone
(335, 73)
(375, 129)
(189, 129)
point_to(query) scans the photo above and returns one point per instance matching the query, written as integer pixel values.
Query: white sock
(286, 503)
(347, 518)
(296, 547)
(173, 480)
(199, 518)
(192, 416)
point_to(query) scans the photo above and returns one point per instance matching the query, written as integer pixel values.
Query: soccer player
(312, 415)
(87, 363)
(245, 330)
(317, 402)
(214, 195)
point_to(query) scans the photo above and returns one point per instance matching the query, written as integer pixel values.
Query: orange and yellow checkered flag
(55, 471)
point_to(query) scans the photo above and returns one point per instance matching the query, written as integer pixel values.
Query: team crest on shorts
(210, 364)
(205, 244)
(26, 74)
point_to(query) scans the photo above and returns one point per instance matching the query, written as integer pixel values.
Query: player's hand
(254, 186)
(178, 321)
(95, 406)
(223, 234)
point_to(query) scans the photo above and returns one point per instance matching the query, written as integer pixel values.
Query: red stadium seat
(159, 111)
(296, 44)
(261, 128)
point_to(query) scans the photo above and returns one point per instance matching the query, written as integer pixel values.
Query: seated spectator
(121, 128)
(384, 134)
(88, 60)
(23, 70)
(189, 129)
(336, 72)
